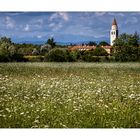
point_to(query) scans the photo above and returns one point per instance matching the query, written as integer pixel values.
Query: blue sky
(65, 26)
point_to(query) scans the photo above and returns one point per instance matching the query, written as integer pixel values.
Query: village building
(113, 35)
(81, 48)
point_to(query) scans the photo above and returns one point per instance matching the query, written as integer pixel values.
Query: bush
(88, 57)
(99, 52)
(57, 55)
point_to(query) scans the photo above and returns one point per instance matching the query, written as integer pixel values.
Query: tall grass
(70, 95)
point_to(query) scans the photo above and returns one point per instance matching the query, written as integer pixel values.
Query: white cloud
(55, 26)
(116, 14)
(99, 13)
(135, 14)
(51, 25)
(40, 21)
(58, 15)
(36, 23)
(9, 22)
(53, 16)
(39, 36)
(131, 20)
(64, 16)
(59, 24)
(26, 28)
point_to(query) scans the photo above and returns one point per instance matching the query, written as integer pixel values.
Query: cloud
(100, 13)
(57, 20)
(26, 28)
(36, 23)
(135, 13)
(9, 22)
(131, 20)
(40, 21)
(39, 36)
(64, 16)
(55, 26)
(59, 15)
(116, 14)
(51, 25)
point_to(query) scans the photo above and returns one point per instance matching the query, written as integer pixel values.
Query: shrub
(99, 52)
(57, 55)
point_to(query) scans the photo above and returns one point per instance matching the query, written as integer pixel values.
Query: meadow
(70, 95)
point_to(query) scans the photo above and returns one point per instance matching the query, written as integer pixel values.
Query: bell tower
(113, 32)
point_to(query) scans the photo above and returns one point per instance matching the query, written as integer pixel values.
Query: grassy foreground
(70, 95)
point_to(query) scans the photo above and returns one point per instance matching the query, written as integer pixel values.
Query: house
(81, 48)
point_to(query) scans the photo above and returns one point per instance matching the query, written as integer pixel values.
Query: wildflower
(21, 113)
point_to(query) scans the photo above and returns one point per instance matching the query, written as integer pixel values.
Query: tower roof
(114, 22)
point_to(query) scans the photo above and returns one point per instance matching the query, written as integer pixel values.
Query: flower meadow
(70, 95)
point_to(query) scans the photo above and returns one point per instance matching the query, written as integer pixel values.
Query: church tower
(113, 32)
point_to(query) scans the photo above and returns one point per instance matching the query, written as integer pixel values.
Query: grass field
(70, 95)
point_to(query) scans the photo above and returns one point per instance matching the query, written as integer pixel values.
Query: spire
(114, 22)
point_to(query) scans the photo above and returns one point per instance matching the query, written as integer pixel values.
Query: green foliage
(51, 42)
(94, 55)
(90, 58)
(35, 51)
(27, 49)
(103, 43)
(126, 47)
(8, 51)
(45, 49)
(76, 56)
(57, 55)
(99, 52)
(91, 43)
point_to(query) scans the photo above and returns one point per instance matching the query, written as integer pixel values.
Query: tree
(126, 47)
(26, 49)
(91, 43)
(57, 55)
(8, 51)
(51, 42)
(45, 49)
(35, 52)
(103, 43)
(99, 52)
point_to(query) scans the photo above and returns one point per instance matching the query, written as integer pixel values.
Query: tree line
(126, 48)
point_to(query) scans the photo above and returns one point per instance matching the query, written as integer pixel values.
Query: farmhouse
(82, 48)
(113, 35)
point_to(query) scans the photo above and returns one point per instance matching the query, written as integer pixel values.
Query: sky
(65, 26)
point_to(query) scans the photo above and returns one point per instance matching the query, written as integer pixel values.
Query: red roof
(81, 48)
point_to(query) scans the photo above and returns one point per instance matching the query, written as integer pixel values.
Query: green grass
(70, 95)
